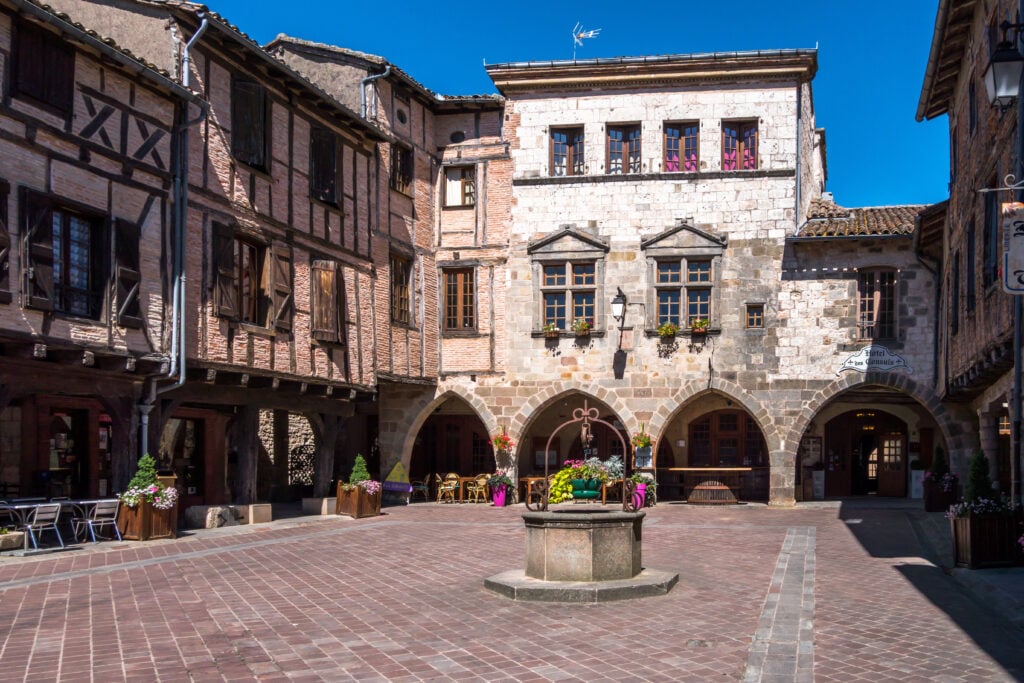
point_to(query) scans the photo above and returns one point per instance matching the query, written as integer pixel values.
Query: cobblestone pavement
(764, 595)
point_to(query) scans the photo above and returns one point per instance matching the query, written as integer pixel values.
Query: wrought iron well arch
(584, 417)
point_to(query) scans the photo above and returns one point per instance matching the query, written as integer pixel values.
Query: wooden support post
(326, 428)
(124, 441)
(246, 443)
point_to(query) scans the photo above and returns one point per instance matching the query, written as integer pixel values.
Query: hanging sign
(1013, 247)
(875, 358)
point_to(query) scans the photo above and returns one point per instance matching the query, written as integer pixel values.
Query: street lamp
(1002, 75)
(619, 307)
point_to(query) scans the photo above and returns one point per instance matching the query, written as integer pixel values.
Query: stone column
(782, 479)
(326, 428)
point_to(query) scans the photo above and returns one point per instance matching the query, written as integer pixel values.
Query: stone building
(974, 316)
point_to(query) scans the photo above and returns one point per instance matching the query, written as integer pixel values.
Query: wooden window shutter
(324, 284)
(127, 277)
(248, 122)
(38, 251)
(5, 246)
(225, 286)
(281, 286)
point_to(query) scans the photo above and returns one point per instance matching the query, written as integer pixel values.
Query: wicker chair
(477, 489)
(447, 487)
(422, 488)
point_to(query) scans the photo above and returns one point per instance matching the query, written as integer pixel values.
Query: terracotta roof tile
(827, 219)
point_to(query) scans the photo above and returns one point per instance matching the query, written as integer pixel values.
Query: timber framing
(949, 42)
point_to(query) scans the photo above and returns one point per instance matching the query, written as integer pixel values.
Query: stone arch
(693, 390)
(550, 393)
(415, 418)
(956, 439)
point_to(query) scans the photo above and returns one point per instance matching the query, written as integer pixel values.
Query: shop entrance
(866, 454)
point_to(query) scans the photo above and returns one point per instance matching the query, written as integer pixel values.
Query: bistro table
(711, 485)
(81, 509)
(525, 483)
(462, 487)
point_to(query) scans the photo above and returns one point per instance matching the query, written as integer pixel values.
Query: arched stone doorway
(567, 445)
(713, 432)
(868, 440)
(452, 439)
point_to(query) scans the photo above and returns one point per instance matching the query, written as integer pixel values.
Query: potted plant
(500, 484)
(940, 485)
(985, 525)
(551, 331)
(668, 331)
(586, 478)
(644, 488)
(11, 540)
(148, 508)
(641, 448)
(581, 327)
(360, 497)
(699, 326)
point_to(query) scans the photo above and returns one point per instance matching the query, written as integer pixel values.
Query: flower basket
(699, 328)
(145, 522)
(581, 327)
(982, 541)
(668, 331)
(356, 502)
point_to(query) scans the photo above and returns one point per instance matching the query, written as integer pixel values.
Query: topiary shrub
(145, 475)
(359, 471)
(979, 485)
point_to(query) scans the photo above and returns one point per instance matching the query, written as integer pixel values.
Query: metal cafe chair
(103, 513)
(43, 517)
(422, 488)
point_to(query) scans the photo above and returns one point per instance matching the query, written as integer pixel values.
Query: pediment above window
(569, 241)
(683, 237)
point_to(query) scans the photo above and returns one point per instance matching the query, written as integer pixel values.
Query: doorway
(867, 455)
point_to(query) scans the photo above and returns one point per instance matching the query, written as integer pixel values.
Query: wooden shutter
(38, 251)
(281, 286)
(126, 273)
(5, 246)
(225, 286)
(248, 122)
(324, 286)
(43, 67)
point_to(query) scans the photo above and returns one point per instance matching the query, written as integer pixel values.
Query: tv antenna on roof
(578, 34)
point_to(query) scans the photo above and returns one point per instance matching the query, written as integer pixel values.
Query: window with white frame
(459, 186)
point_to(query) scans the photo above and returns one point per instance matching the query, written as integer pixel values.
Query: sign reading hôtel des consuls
(1013, 247)
(875, 358)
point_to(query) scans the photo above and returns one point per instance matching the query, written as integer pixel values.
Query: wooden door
(892, 465)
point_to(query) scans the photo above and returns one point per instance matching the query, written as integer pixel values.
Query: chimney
(827, 196)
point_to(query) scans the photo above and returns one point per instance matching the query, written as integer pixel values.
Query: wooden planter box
(356, 502)
(935, 499)
(145, 522)
(980, 542)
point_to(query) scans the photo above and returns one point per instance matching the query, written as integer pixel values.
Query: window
(459, 299)
(679, 281)
(249, 108)
(43, 68)
(681, 147)
(739, 146)
(566, 151)
(460, 186)
(990, 246)
(970, 266)
(726, 439)
(323, 165)
(252, 280)
(327, 308)
(623, 149)
(569, 292)
(954, 295)
(972, 109)
(401, 169)
(65, 265)
(5, 247)
(401, 271)
(877, 294)
(755, 316)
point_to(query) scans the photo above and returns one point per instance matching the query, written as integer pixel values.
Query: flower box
(12, 540)
(355, 502)
(981, 541)
(145, 522)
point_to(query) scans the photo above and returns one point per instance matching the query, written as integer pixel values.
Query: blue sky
(871, 61)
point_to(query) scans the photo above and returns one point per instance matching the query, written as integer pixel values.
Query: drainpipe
(799, 131)
(365, 82)
(179, 222)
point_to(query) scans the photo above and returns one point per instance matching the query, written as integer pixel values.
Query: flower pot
(498, 496)
(935, 499)
(981, 541)
(145, 522)
(355, 502)
(639, 495)
(552, 334)
(12, 540)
